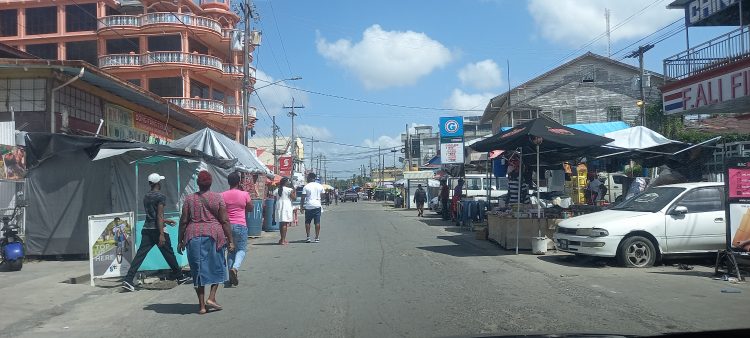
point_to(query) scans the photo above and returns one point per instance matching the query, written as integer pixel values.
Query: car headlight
(592, 232)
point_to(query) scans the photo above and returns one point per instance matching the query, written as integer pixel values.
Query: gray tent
(217, 145)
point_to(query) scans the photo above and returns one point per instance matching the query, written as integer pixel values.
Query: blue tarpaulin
(600, 128)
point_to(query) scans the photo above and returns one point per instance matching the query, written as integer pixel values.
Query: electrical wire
(281, 39)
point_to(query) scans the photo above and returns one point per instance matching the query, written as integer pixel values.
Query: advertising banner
(451, 153)
(451, 127)
(13, 163)
(285, 166)
(738, 208)
(110, 245)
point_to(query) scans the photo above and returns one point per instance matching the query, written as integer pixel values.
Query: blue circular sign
(451, 126)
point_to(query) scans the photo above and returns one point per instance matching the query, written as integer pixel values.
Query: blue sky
(435, 54)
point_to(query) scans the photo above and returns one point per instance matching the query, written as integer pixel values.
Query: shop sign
(452, 153)
(699, 10)
(737, 186)
(451, 126)
(721, 88)
(110, 244)
(152, 125)
(13, 164)
(285, 166)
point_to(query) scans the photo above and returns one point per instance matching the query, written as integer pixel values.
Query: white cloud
(385, 59)
(461, 100)
(383, 141)
(274, 97)
(576, 22)
(320, 133)
(481, 75)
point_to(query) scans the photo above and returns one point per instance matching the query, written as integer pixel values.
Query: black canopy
(557, 141)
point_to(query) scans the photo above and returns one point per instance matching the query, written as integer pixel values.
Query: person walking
(153, 233)
(444, 198)
(238, 204)
(284, 209)
(205, 233)
(420, 197)
(313, 208)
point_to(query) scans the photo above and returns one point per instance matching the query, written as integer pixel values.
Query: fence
(10, 193)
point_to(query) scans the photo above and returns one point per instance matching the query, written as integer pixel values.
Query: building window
(81, 50)
(166, 86)
(567, 116)
(614, 113)
(195, 46)
(199, 89)
(122, 46)
(164, 43)
(41, 20)
(588, 73)
(43, 50)
(79, 104)
(9, 22)
(136, 82)
(23, 95)
(218, 95)
(80, 18)
(521, 116)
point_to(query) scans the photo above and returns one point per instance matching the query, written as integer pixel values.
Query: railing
(161, 18)
(115, 60)
(711, 54)
(119, 20)
(199, 104)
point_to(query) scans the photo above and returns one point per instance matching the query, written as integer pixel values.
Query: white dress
(284, 209)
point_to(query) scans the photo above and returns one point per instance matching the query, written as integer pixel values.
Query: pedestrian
(205, 233)
(420, 197)
(153, 233)
(456, 200)
(284, 209)
(444, 197)
(336, 196)
(238, 204)
(313, 208)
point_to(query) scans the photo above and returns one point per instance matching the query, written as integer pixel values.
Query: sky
(446, 57)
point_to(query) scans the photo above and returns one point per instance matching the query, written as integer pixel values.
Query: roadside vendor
(457, 192)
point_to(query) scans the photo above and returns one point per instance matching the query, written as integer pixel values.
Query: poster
(285, 166)
(110, 245)
(13, 163)
(738, 203)
(451, 153)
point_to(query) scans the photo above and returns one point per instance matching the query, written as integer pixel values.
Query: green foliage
(635, 172)
(673, 127)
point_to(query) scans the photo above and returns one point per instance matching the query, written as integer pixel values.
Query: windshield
(651, 200)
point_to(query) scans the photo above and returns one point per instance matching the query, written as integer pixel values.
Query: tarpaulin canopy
(216, 144)
(638, 138)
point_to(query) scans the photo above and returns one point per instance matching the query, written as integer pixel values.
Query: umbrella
(542, 134)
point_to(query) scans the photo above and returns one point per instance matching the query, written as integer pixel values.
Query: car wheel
(636, 252)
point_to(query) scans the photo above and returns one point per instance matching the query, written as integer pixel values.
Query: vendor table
(502, 230)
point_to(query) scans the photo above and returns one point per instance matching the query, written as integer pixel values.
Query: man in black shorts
(313, 207)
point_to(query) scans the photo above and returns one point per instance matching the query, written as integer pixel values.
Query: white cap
(155, 178)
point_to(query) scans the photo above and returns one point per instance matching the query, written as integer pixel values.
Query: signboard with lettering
(150, 124)
(452, 126)
(720, 88)
(738, 203)
(285, 166)
(110, 244)
(452, 153)
(699, 10)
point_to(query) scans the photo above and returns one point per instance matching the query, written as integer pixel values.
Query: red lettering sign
(148, 123)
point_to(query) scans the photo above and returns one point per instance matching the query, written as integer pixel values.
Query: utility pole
(292, 114)
(408, 146)
(312, 154)
(609, 39)
(275, 152)
(248, 12)
(639, 53)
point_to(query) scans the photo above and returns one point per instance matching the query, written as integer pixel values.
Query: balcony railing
(231, 109)
(711, 54)
(115, 60)
(160, 18)
(212, 106)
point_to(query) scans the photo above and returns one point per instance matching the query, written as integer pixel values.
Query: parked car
(475, 185)
(674, 219)
(350, 195)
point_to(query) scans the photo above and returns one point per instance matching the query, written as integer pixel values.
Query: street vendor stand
(539, 136)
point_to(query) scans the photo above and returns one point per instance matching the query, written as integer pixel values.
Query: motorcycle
(11, 245)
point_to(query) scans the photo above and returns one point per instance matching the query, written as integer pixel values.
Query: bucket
(255, 219)
(539, 245)
(268, 222)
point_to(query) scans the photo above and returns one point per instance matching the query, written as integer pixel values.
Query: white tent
(637, 138)
(216, 144)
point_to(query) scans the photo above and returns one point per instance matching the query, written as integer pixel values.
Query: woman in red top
(205, 232)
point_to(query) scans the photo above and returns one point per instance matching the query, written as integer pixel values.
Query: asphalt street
(384, 273)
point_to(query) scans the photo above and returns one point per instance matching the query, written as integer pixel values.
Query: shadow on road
(465, 246)
(579, 261)
(690, 273)
(174, 309)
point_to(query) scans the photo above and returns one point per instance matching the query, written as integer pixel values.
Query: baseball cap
(155, 178)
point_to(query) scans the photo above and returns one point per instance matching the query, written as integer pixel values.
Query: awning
(418, 175)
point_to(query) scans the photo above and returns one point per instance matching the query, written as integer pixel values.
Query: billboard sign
(285, 166)
(451, 153)
(721, 88)
(110, 245)
(699, 10)
(451, 127)
(737, 187)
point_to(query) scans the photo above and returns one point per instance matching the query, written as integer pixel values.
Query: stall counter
(502, 230)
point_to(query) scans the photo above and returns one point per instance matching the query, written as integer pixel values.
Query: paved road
(384, 273)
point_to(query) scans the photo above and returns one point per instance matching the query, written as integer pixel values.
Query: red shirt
(201, 219)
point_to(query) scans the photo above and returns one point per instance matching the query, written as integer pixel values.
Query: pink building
(179, 50)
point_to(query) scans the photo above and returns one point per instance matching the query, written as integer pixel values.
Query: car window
(473, 184)
(650, 200)
(703, 200)
(618, 179)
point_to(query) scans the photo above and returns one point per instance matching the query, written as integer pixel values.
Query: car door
(702, 228)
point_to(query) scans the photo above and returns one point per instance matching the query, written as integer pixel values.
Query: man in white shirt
(313, 207)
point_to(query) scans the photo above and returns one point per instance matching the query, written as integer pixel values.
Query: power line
(646, 37)
(281, 39)
(348, 145)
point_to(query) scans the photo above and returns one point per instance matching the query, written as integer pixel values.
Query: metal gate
(12, 192)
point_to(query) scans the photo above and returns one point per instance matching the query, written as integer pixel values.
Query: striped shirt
(201, 220)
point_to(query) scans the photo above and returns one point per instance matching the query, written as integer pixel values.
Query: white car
(685, 218)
